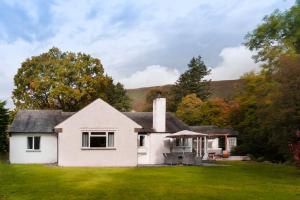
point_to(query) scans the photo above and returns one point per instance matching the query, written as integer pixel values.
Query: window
(142, 140)
(99, 139)
(85, 139)
(210, 144)
(185, 142)
(33, 143)
(30, 143)
(231, 142)
(111, 139)
(182, 142)
(178, 142)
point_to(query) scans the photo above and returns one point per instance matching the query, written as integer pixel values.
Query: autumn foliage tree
(248, 117)
(268, 116)
(269, 113)
(193, 111)
(65, 80)
(189, 109)
(284, 114)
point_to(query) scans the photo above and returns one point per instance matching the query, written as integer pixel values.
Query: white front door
(143, 149)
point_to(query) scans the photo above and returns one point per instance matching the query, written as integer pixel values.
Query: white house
(97, 135)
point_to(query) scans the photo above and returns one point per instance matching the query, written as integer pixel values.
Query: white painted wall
(98, 116)
(159, 114)
(215, 146)
(215, 143)
(155, 145)
(18, 152)
(159, 144)
(144, 152)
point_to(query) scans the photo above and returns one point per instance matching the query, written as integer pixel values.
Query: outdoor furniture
(171, 159)
(188, 158)
(178, 156)
(191, 154)
(200, 138)
(168, 159)
(198, 161)
(212, 156)
(217, 151)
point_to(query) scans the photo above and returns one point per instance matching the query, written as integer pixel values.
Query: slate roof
(173, 124)
(37, 121)
(44, 121)
(213, 130)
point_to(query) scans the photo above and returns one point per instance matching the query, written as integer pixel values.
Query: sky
(140, 43)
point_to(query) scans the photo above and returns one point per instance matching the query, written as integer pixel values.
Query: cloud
(235, 62)
(151, 76)
(11, 57)
(126, 35)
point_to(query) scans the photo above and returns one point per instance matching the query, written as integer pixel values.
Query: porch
(186, 147)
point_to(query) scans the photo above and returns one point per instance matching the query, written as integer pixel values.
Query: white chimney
(159, 114)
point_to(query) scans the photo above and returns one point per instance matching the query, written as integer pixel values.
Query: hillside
(222, 89)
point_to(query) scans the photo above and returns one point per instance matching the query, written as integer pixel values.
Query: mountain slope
(222, 89)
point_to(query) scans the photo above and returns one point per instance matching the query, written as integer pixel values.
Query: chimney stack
(159, 114)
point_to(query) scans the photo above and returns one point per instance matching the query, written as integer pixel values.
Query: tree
(4, 120)
(191, 81)
(284, 114)
(189, 109)
(217, 112)
(295, 148)
(268, 115)
(193, 111)
(117, 97)
(65, 80)
(279, 34)
(249, 118)
(153, 93)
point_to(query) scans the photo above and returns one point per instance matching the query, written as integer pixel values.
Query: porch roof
(186, 134)
(214, 130)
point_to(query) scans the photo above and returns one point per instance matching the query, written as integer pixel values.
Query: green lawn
(240, 180)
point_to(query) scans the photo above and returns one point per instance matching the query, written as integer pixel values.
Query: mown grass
(240, 180)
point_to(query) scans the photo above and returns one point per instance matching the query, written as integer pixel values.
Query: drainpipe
(57, 131)
(57, 148)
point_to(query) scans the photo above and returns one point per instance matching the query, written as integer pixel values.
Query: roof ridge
(41, 110)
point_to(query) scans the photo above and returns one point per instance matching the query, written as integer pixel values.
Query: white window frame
(33, 143)
(106, 137)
